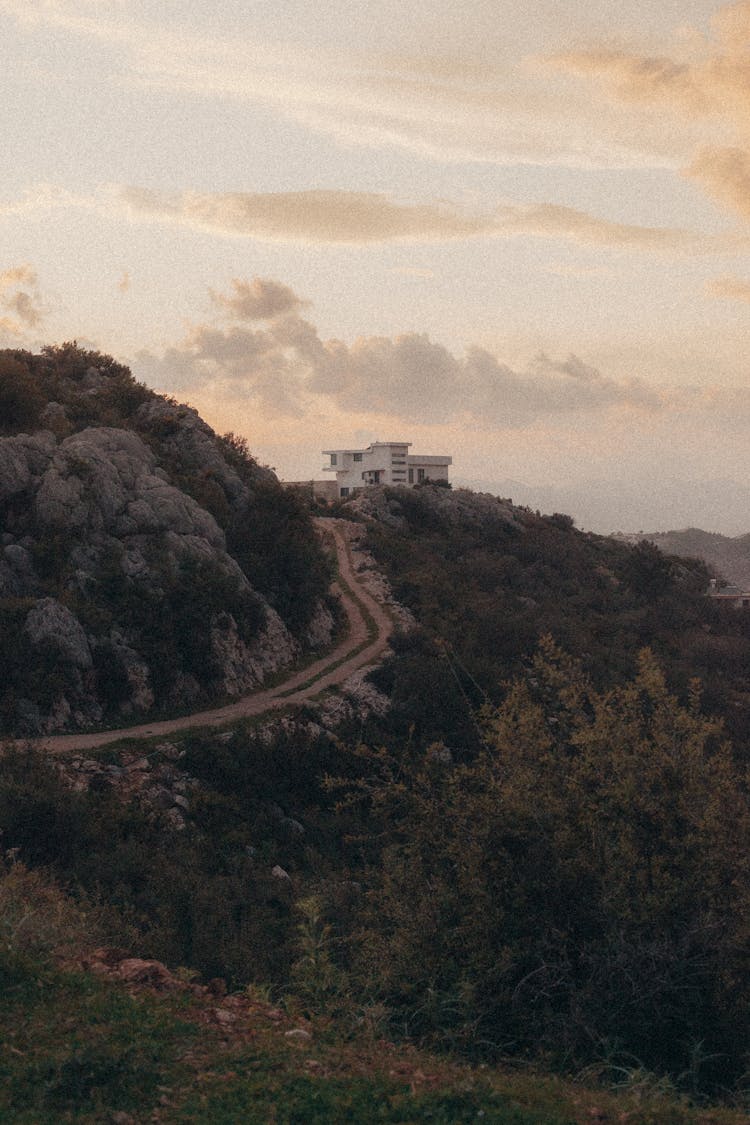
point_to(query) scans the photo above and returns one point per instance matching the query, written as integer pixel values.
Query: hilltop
(488, 579)
(146, 564)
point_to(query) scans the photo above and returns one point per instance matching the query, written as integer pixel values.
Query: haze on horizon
(521, 237)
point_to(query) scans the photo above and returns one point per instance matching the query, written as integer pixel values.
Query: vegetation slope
(540, 852)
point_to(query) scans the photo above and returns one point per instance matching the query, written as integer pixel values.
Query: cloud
(337, 217)
(42, 197)
(711, 79)
(441, 106)
(652, 80)
(729, 288)
(279, 363)
(308, 216)
(725, 174)
(413, 271)
(710, 82)
(19, 296)
(367, 217)
(259, 299)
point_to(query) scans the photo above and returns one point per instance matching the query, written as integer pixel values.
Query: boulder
(49, 623)
(22, 459)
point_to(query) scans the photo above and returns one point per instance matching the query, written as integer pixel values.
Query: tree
(581, 888)
(21, 401)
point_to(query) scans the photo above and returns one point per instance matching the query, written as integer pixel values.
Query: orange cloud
(729, 289)
(19, 295)
(712, 84)
(366, 217)
(725, 174)
(717, 82)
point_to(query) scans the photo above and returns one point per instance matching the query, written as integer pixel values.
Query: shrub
(21, 401)
(582, 884)
(37, 922)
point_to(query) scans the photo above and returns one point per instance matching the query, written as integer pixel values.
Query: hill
(537, 852)
(728, 557)
(490, 579)
(146, 564)
(631, 502)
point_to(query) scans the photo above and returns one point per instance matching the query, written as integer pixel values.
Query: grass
(78, 1048)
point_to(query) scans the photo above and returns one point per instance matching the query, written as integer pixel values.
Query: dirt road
(331, 669)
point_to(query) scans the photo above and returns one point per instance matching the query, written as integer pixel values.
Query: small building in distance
(731, 595)
(383, 462)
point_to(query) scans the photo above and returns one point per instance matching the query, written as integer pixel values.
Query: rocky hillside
(145, 563)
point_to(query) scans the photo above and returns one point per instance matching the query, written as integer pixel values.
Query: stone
(223, 1016)
(169, 751)
(51, 623)
(279, 873)
(293, 826)
(138, 764)
(22, 459)
(153, 973)
(298, 1035)
(12, 585)
(19, 558)
(320, 630)
(29, 718)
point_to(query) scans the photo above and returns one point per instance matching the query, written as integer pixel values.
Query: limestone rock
(22, 459)
(274, 648)
(104, 479)
(50, 623)
(105, 519)
(137, 971)
(320, 630)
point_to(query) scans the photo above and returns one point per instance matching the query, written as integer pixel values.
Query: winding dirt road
(333, 668)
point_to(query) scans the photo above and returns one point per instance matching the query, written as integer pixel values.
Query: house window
(411, 476)
(357, 456)
(420, 475)
(344, 491)
(334, 459)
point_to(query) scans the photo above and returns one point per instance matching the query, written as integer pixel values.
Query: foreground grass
(80, 1048)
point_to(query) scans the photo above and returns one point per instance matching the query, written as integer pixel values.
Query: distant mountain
(729, 557)
(632, 504)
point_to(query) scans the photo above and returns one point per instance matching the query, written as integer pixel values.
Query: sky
(516, 234)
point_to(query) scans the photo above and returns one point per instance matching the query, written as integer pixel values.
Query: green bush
(581, 887)
(21, 401)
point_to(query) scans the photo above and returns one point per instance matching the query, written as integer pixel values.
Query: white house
(383, 462)
(730, 594)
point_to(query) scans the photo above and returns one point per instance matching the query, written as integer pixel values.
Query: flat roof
(372, 445)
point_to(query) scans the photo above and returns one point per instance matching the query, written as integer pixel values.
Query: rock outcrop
(138, 558)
